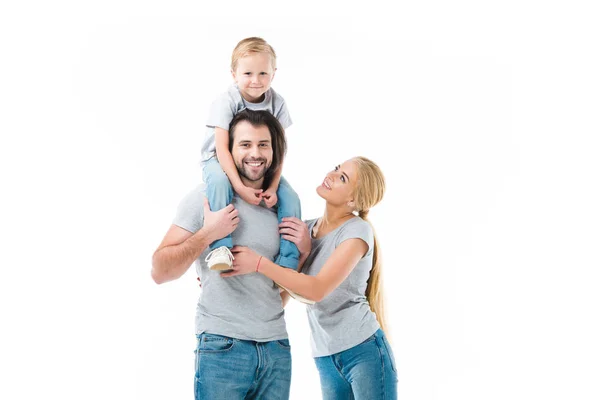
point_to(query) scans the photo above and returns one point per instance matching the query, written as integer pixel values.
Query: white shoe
(220, 259)
(296, 295)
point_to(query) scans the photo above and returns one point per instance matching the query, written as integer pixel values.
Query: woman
(341, 273)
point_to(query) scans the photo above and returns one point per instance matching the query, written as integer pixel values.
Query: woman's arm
(336, 269)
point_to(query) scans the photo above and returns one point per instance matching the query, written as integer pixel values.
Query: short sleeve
(281, 112)
(190, 212)
(357, 229)
(221, 112)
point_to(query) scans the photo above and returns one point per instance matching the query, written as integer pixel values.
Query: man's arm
(180, 248)
(177, 252)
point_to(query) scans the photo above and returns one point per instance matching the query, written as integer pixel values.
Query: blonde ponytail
(369, 191)
(374, 288)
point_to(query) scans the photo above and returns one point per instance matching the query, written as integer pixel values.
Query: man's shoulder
(198, 192)
(194, 198)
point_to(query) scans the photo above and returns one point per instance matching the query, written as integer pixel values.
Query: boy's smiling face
(253, 75)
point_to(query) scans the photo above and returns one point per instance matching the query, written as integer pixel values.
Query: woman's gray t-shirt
(343, 319)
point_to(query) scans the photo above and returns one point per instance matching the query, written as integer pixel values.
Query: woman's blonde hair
(369, 191)
(252, 45)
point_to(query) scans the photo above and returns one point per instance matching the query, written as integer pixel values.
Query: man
(242, 351)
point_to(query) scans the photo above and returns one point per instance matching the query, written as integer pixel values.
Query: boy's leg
(225, 367)
(219, 193)
(288, 205)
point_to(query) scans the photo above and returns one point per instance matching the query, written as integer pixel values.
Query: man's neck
(253, 184)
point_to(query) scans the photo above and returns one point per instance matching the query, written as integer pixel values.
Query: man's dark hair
(278, 142)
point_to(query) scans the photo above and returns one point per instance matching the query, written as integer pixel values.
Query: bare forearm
(171, 262)
(276, 178)
(307, 286)
(226, 161)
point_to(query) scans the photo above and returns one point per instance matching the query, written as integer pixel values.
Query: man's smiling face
(252, 151)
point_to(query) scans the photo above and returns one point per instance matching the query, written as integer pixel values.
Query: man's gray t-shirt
(228, 104)
(247, 306)
(343, 319)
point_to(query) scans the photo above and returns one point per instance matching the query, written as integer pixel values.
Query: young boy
(253, 66)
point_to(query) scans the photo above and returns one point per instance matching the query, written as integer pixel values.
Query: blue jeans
(364, 372)
(220, 194)
(228, 368)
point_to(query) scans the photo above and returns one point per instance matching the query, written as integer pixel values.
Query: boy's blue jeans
(228, 368)
(220, 193)
(364, 372)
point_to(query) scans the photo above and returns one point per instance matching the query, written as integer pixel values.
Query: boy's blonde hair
(368, 192)
(252, 45)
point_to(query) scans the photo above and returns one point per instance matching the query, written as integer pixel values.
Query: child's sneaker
(220, 259)
(296, 295)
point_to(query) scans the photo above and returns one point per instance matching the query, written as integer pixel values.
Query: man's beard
(253, 177)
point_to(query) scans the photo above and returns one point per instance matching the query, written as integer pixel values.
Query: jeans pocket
(285, 343)
(369, 339)
(210, 343)
(389, 352)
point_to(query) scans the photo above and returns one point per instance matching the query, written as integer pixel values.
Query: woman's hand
(244, 262)
(296, 231)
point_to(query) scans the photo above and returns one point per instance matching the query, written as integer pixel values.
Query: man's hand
(296, 231)
(250, 195)
(270, 197)
(220, 223)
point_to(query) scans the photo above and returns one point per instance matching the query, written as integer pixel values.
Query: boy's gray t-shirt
(343, 319)
(228, 104)
(247, 306)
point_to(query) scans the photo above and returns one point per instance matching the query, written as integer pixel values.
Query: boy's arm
(225, 159)
(276, 178)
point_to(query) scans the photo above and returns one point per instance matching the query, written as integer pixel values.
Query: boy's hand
(270, 197)
(249, 194)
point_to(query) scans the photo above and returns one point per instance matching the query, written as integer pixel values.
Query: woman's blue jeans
(364, 372)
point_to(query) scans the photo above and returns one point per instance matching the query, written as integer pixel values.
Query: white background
(483, 116)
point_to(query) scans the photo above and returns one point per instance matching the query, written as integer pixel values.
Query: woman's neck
(332, 219)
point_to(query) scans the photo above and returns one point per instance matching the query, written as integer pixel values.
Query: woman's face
(338, 186)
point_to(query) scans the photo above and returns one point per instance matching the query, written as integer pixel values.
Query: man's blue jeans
(364, 372)
(220, 194)
(228, 368)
